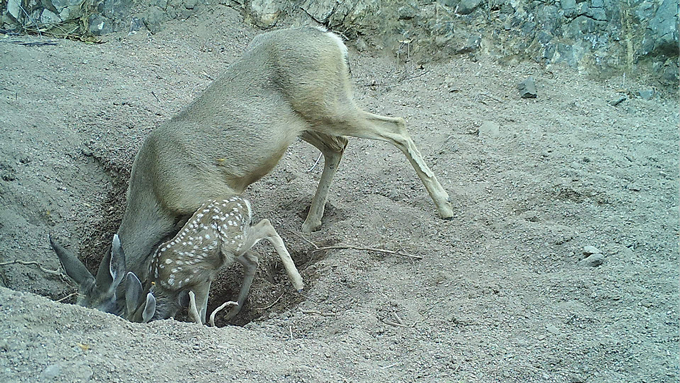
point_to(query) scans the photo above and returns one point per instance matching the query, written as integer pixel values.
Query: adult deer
(289, 83)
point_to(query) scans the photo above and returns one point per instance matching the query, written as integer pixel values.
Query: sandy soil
(500, 295)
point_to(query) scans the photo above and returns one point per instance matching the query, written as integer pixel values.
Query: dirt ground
(501, 294)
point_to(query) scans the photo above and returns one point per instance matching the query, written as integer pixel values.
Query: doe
(289, 83)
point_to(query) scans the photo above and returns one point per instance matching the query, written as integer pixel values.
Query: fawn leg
(249, 262)
(264, 229)
(198, 302)
(193, 312)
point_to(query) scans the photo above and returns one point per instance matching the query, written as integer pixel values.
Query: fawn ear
(149, 308)
(133, 293)
(74, 268)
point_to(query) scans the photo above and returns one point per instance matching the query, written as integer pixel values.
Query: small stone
(593, 260)
(51, 372)
(552, 329)
(646, 94)
(527, 88)
(489, 129)
(588, 250)
(360, 44)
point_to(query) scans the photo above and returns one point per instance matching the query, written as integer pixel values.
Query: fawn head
(138, 307)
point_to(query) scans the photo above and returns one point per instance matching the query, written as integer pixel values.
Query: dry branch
(352, 247)
(44, 270)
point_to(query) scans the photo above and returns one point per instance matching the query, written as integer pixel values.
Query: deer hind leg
(359, 123)
(249, 262)
(332, 148)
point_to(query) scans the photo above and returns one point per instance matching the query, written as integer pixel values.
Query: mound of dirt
(504, 292)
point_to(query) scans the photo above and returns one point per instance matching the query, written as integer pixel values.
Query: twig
(489, 96)
(37, 28)
(367, 249)
(315, 163)
(390, 365)
(271, 305)
(44, 270)
(67, 297)
(302, 237)
(290, 329)
(389, 322)
(223, 305)
(317, 312)
(397, 318)
(154, 94)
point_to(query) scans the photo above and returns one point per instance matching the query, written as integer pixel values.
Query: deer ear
(133, 293)
(117, 263)
(74, 268)
(149, 308)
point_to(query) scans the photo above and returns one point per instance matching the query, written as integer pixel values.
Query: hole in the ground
(271, 291)
(331, 213)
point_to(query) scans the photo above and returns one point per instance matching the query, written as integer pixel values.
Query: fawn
(218, 234)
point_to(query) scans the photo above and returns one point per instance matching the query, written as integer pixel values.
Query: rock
(50, 372)
(14, 8)
(320, 11)
(646, 94)
(593, 260)
(48, 17)
(588, 250)
(568, 4)
(136, 25)
(100, 25)
(407, 12)
(360, 44)
(489, 129)
(472, 44)
(527, 88)
(153, 18)
(551, 328)
(264, 13)
(663, 28)
(465, 7)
